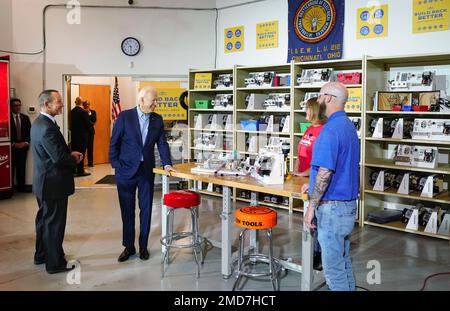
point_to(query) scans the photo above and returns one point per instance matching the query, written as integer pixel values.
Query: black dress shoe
(127, 252)
(61, 269)
(317, 261)
(144, 254)
(39, 261)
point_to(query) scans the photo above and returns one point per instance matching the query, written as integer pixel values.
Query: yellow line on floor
(86, 182)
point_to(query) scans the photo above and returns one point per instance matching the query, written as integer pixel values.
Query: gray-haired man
(53, 165)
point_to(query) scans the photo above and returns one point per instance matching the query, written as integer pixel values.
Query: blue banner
(316, 30)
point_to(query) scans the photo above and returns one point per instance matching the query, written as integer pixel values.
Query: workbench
(291, 188)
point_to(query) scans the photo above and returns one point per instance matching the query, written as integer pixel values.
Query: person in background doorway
(132, 155)
(90, 143)
(80, 127)
(53, 183)
(20, 142)
(334, 187)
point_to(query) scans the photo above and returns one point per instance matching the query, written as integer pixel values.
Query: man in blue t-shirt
(334, 187)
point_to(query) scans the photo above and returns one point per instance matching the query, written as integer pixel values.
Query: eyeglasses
(332, 95)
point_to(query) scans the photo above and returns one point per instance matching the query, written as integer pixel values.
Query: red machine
(349, 78)
(5, 135)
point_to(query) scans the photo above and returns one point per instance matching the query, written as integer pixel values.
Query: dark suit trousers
(19, 160)
(143, 181)
(90, 148)
(79, 143)
(50, 226)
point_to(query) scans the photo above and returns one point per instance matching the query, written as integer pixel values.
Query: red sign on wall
(4, 105)
(5, 166)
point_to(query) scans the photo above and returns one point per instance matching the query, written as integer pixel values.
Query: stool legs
(195, 239)
(240, 259)
(273, 270)
(171, 236)
(202, 250)
(274, 274)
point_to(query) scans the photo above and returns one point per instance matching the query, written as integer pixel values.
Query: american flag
(116, 109)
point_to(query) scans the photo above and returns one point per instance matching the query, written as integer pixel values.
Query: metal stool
(175, 200)
(257, 218)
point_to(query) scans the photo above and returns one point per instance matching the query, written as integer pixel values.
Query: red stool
(257, 218)
(176, 200)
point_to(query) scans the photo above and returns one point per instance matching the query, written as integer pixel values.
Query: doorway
(98, 90)
(99, 96)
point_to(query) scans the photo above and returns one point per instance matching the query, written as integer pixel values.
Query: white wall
(5, 25)
(400, 39)
(172, 42)
(168, 37)
(249, 15)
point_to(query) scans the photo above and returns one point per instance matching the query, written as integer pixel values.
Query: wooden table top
(290, 188)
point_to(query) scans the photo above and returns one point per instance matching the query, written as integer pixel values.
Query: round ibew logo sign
(314, 20)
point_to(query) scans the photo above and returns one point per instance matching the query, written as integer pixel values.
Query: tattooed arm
(321, 183)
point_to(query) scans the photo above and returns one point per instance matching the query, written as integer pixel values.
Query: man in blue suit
(131, 152)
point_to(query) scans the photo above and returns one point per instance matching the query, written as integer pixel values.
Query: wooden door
(99, 96)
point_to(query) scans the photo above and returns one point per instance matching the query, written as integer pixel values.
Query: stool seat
(177, 200)
(256, 217)
(182, 199)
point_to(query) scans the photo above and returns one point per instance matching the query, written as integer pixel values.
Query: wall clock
(131, 46)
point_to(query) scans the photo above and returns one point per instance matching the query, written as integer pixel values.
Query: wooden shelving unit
(375, 73)
(399, 226)
(264, 133)
(378, 152)
(209, 94)
(442, 197)
(412, 141)
(299, 115)
(225, 90)
(387, 164)
(211, 130)
(262, 111)
(211, 110)
(405, 113)
(242, 113)
(299, 91)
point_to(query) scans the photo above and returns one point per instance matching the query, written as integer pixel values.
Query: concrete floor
(94, 233)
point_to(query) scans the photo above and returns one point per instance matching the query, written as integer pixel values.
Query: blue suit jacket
(126, 148)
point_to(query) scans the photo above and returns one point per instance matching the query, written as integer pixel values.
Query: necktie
(18, 128)
(144, 130)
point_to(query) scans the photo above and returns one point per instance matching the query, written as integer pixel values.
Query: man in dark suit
(53, 165)
(132, 154)
(20, 142)
(90, 144)
(79, 129)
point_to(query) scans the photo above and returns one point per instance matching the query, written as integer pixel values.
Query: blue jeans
(335, 222)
